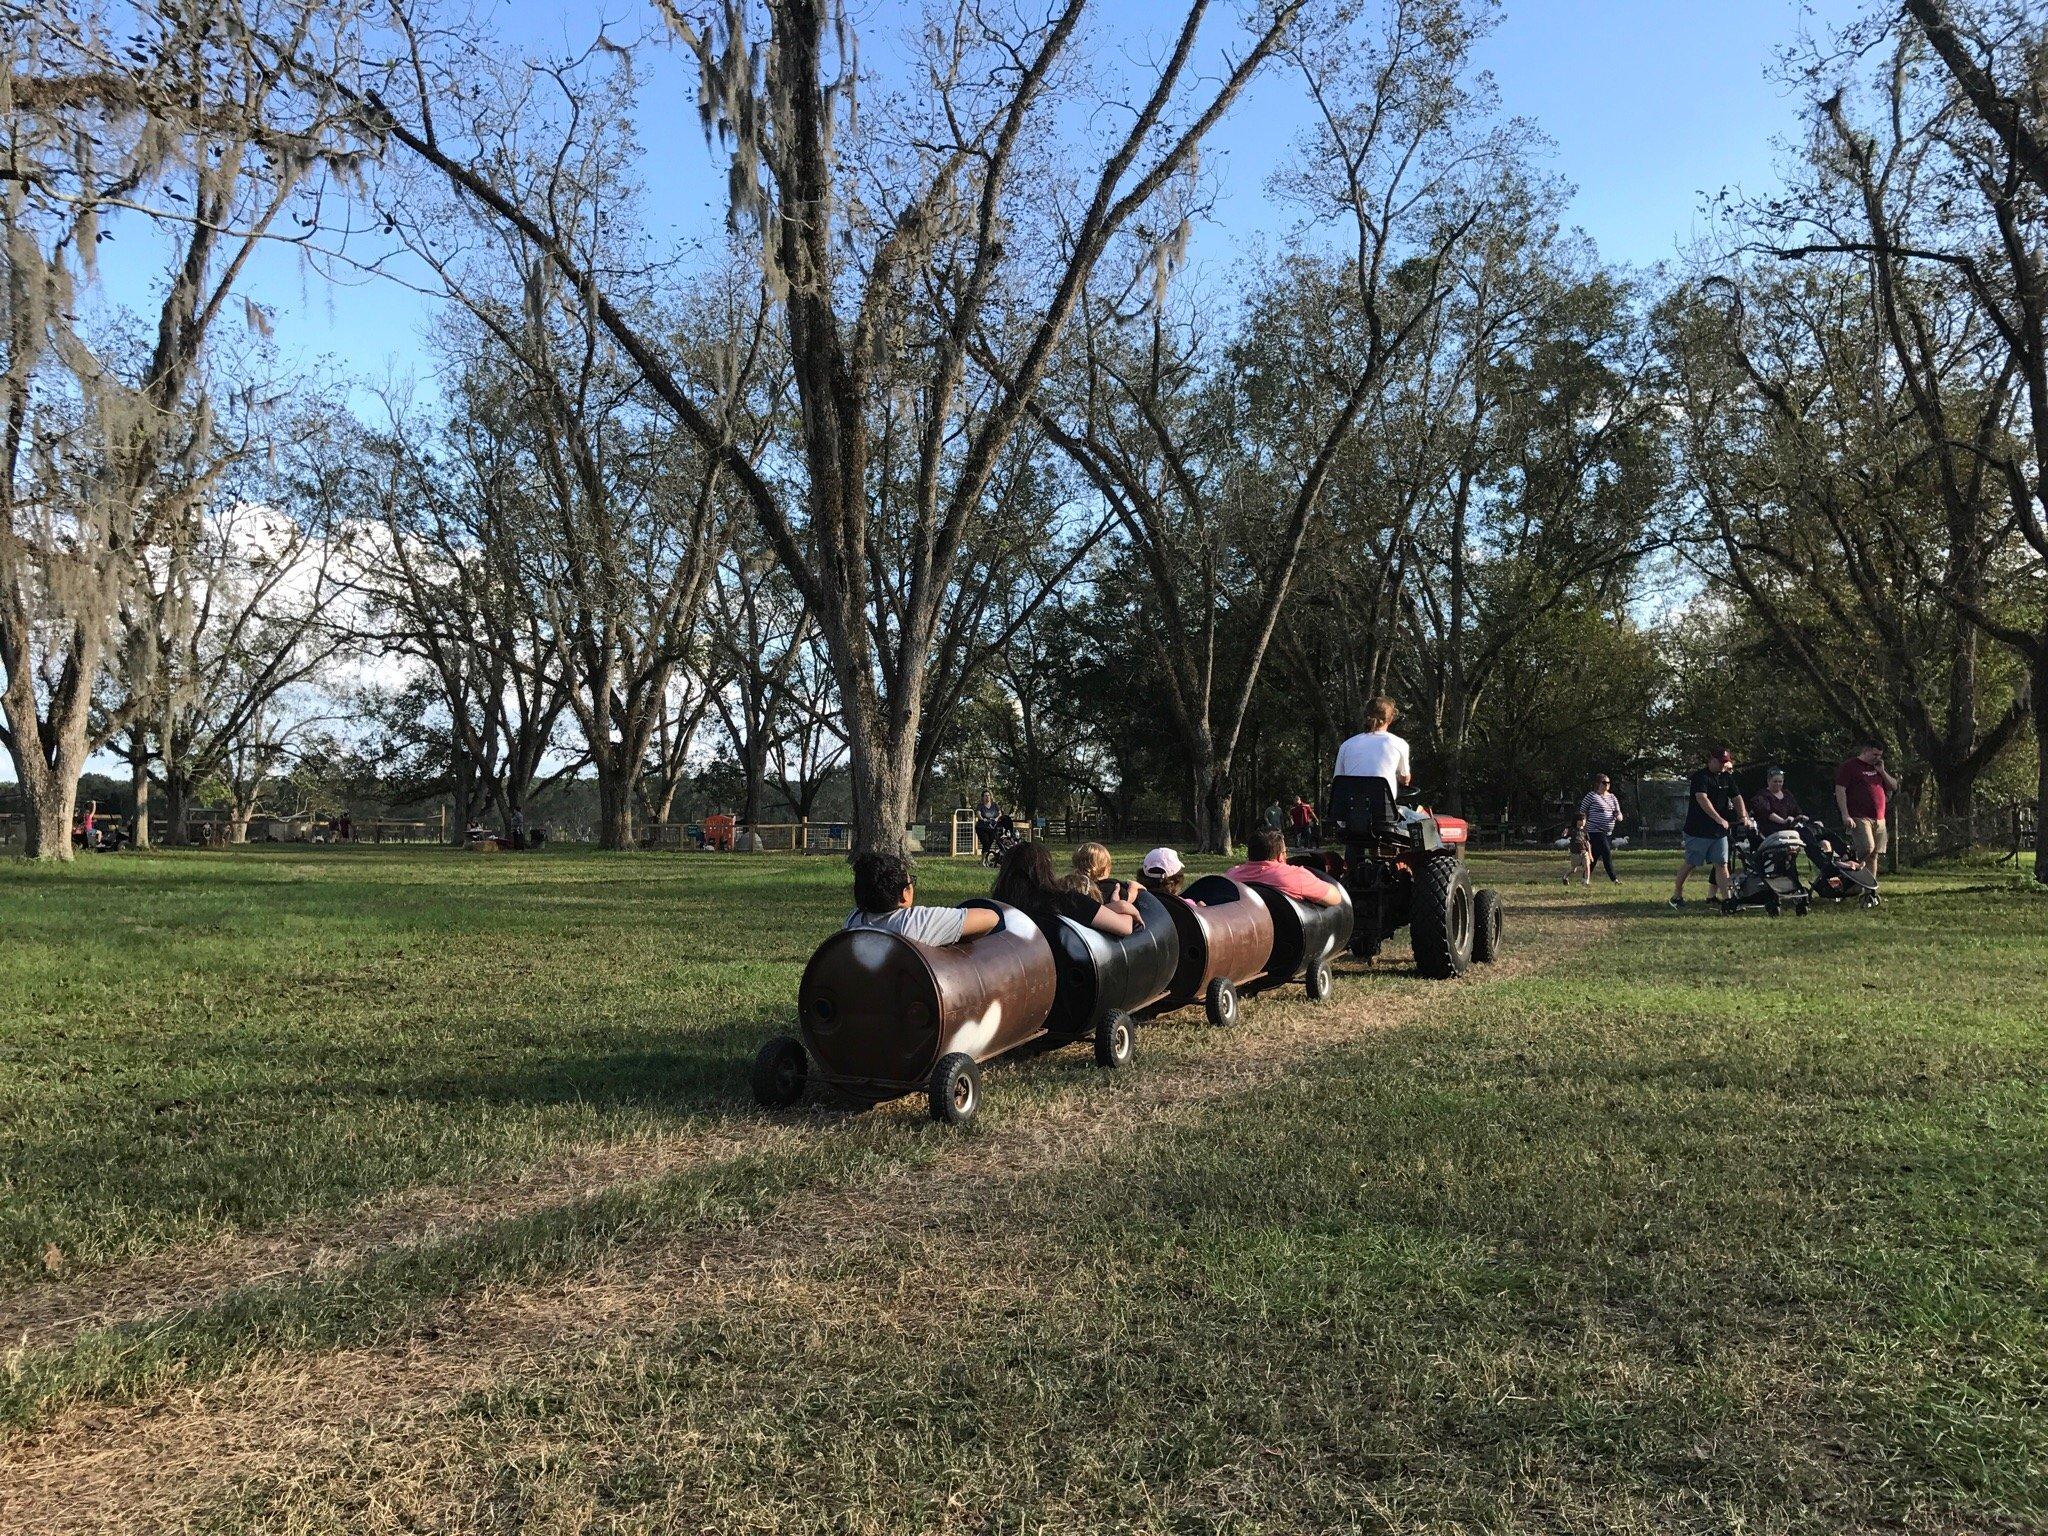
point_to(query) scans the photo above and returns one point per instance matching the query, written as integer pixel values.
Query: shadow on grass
(388, 1295)
(709, 1073)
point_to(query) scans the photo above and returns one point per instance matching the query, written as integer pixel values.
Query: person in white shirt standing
(1376, 751)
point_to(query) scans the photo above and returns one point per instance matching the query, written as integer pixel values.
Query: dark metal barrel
(1099, 973)
(1304, 932)
(878, 1010)
(1224, 931)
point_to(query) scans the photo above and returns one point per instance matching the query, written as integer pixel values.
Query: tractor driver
(1376, 751)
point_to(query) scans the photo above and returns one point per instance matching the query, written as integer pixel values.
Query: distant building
(1660, 805)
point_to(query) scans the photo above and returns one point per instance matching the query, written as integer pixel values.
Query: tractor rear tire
(1441, 926)
(1486, 926)
(779, 1072)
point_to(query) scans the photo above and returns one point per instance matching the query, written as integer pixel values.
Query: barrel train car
(881, 1016)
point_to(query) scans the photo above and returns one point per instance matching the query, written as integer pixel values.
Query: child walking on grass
(1580, 853)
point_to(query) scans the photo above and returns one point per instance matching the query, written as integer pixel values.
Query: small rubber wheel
(779, 1072)
(1116, 1040)
(1363, 946)
(1221, 1002)
(1486, 926)
(956, 1089)
(1800, 909)
(1871, 898)
(1318, 981)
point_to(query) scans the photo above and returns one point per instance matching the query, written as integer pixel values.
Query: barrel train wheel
(956, 1089)
(1318, 980)
(779, 1072)
(1221, 1002)
(1116, 1039)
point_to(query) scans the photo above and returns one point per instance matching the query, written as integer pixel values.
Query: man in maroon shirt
(1301, 816)
(1861, 785)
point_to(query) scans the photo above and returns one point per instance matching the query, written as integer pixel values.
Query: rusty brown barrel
(1225, 931)
(1100, 974)
(878, 1010)
(1306, 936)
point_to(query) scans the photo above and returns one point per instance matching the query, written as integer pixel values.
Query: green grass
(1709, 1224)
(1728, 1226)
(192, 1044)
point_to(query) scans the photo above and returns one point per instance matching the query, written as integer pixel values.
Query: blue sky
(1650, 105)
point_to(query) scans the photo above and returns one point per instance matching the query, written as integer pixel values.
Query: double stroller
(1837, 877)
(1000, 840)
(1767, 871)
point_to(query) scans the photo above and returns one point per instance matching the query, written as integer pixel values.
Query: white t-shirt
(1374, 752)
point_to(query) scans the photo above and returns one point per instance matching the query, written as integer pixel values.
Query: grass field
(367, 1191)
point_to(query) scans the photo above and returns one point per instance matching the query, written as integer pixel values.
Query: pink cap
(1163, 862)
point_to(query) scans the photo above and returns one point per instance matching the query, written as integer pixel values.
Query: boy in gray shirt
(885, 896)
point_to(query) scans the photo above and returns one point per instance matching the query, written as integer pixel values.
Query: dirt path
(152, 1467)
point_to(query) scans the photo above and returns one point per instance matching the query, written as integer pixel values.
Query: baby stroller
(1767, 873)
(1837, 877)
(1000, 841)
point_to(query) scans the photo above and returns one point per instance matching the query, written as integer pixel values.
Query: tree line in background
(939, 465)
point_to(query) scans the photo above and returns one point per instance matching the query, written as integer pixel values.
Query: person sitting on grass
(1268, 866)
(1026, 878)
(1162, 871)
(885, 897)
(1093, 860)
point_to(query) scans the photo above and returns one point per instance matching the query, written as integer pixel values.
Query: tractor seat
(1364, 806)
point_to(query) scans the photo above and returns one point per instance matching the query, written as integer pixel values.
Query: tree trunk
(175, 797)
(614, 810)
(138, 777)
(2040, 681)
(1216, 812)
(1453, 758)
(49, 793)
(884, 777)
(755, 764)
(47, 813)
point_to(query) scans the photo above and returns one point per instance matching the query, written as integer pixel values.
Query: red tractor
(1405, 868)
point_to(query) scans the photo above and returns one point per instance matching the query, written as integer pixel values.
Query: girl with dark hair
(1026, 878)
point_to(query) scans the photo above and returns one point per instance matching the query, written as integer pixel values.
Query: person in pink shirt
(1268, 866)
